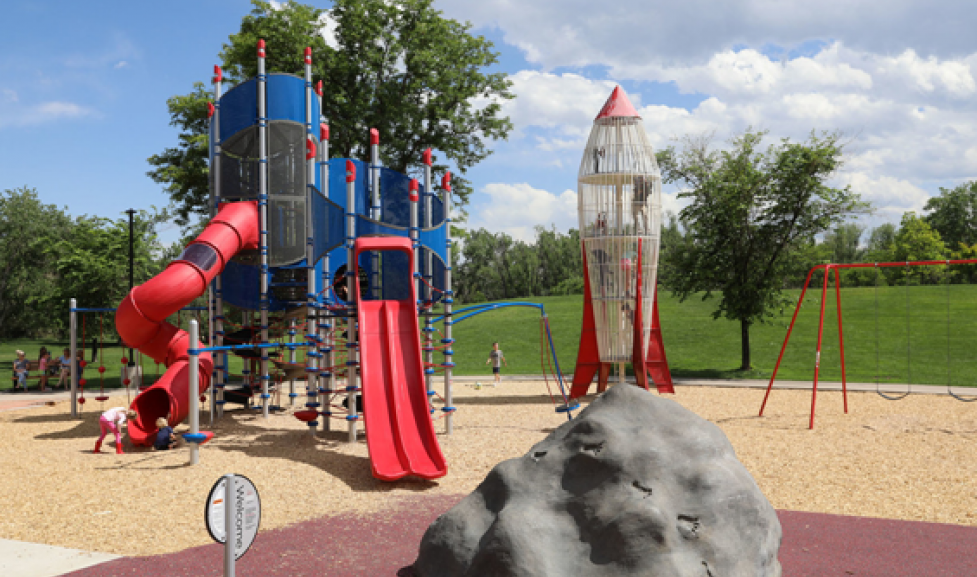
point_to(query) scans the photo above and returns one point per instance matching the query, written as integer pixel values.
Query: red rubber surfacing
(814, 545)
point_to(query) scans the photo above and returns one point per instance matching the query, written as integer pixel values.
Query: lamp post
(132, 259)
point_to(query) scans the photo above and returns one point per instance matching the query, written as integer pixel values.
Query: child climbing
(496, 358)
(113, 420)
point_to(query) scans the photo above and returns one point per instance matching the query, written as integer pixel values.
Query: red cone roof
(617, 105)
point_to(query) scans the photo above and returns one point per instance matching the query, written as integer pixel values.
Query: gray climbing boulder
(635, 485)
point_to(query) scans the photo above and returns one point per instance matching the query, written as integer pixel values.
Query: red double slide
(141, 318)
(399, 432)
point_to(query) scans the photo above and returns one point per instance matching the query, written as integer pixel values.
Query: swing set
(828, 268)
(98, 345)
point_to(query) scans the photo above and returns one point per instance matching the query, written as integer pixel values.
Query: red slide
(141, 318)
(399, 431)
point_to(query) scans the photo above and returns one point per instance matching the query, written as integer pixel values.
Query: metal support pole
(414, 233)
(73, 335)
(352, 358)
(221, 359)
(841, 342)
(132, 275)
(817, 358)
(194, 382)
(376, 279)
(448, 300)
(311, 316)
(428, 263)
(263, 207)
(291, 361)
(790, 329)
(230, 498)
(328, 375)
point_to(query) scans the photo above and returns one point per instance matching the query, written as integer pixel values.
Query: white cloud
(516, 208)
(120, 64)
(624, 33)
(42, 113)
(891, 197)
(897, 79)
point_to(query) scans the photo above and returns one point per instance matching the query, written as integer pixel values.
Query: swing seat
(198, 438)
(101, 398)
(81, 400)
(306, 416)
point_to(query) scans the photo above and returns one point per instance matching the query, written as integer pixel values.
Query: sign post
(233, 507)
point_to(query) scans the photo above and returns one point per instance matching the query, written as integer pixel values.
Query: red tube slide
(141, 318)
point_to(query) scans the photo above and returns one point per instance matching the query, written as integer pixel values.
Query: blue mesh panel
(285, 101)
(437, 211)
(329, 225)
(239, 108)
(397, 276)
(337, 183)
(437, 272)
(366, 227)
(394, 198)
(240, 283)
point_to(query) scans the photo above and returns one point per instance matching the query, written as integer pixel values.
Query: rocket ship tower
(620, 214)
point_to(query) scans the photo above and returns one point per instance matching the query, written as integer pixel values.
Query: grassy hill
(698, 346)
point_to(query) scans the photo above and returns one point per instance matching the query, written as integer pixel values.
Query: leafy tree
(916, 240)
(494, 266)
(843, 242)
(953, 214)
(559, 259)
(672, 242)
(92, 263)
(881, 243)
(28, 230)
(749, 208)
(398, 66)
(487, 266)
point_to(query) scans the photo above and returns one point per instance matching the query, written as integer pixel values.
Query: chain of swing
(909, 343)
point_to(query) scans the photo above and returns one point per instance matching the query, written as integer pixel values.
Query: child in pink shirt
(113, 420)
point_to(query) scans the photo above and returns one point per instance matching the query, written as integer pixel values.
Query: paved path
(20, 559)
(814, 545)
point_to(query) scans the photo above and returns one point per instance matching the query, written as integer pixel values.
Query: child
(20, 369)
(496, 358)
(42, 368)
(113, 420)
(65, 377)
(165, 439)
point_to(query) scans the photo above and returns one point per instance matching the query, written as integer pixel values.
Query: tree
(916, 240)
(748, 209)
(397, 66)
(953, 215)
(28, 231)
(92, 262)
(881, 243)
(843, 242)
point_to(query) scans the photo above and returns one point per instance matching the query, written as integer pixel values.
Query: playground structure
(287, 222)
(619, 209)
(828, 269)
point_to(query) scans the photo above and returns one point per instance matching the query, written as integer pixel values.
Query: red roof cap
(617, 105)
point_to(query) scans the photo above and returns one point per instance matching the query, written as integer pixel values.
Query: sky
(83, 90)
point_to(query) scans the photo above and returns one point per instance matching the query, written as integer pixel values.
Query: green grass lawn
(698, 346)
